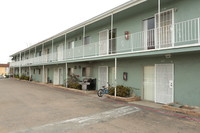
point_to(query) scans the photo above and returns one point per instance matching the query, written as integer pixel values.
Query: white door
(56, 77)
(148, 26)
(149, 76)
(60, 76)
(166, 29)
(103, 42)
(45, 74)
(103, 76)
(60, 52)
(164, 83)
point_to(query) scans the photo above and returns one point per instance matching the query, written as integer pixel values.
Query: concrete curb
(191, 112)
(125, 99)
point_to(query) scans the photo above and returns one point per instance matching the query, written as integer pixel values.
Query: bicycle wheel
(100, 92)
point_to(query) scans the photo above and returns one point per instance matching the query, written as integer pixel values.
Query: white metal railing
(181, 33)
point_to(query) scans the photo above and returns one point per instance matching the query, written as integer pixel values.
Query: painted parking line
(67, 125)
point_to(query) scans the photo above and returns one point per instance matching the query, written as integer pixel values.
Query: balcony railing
(169, 36)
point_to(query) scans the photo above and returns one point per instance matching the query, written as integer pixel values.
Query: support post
(84, 41)
(43, 53)
(115, 77)
(66, 76)
(52, 51)
(159, 24)
(111, 32)
(65, 51)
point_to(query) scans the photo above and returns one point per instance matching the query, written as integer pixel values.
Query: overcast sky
(26, 22)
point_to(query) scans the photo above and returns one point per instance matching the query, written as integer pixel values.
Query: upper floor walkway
(167, 36)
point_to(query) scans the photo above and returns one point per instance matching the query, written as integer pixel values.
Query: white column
(43, 79)
(65, 50)
(66, 76)
(43, 53)
(115, 77)
(158, 23)
(111, 32)
(84, 41)
(52, 51)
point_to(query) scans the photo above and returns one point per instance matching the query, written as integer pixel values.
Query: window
(70, 71)
(39, 71)
(86, 71)
(87, 40)
(48, 51)
(33, 71)
(40, 53)
(70, 45)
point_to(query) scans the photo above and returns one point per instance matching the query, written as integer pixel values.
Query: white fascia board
(115, 10)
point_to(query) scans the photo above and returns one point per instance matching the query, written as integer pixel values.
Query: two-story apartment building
(152, 45)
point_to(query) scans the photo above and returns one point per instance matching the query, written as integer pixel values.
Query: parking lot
(35, 108)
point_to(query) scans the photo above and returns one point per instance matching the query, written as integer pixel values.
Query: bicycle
(102, 91)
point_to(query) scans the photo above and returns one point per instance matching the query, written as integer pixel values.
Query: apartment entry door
(59, 52)
(149, 81)
(165, 34)
(46, 75)
(149, 25)
(164, 87)
(112, 41)
(158, 83)
(60, 70)
(58, 76)
(103, 76)
(103, 42)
